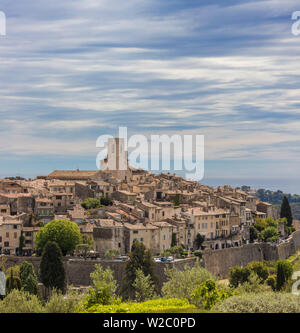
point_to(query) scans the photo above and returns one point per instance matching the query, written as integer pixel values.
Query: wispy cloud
(71, 71)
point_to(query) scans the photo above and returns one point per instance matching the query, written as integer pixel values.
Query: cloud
(71, 71)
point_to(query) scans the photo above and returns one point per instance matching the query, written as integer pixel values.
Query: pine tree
(286, 211)
(51, 267)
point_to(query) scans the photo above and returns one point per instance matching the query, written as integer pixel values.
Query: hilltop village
(156, 209)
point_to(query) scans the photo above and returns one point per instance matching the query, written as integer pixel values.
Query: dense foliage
(182, 283)
(29, 278)
(268, 302)
(157, 305)
(64, 232)
(208, 293)
(52, 270)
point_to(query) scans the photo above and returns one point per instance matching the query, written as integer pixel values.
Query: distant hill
(275, 198)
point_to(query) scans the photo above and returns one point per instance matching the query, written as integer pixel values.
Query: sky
(71, 71)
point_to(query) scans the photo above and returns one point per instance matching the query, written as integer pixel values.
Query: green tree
(143, 286)
(239, 275)
(284, 271)
(13, 281)
(199, 241)
(207, 294)
(106, 201)
(285, 211)
(173, 241)
(52, 270)
(253, 234)
(21, 243)
(86, 246)
(177, 200)
(260, 269)
(270, 234)
(139, 258)
(29, 278)
(91, 203)
(104, 291)
(182, 283)
(64, 232)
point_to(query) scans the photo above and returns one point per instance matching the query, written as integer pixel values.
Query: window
(0, 239)
(7, 235)
(142, 239)
(15, 235)
(135, 231)
(6, 244)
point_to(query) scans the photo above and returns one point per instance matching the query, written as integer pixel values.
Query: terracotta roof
(71, 174)
(140, 226)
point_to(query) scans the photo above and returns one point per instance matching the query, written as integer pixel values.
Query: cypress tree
(13, 282)
(286, 211)
(139, 258)
(21, 243)
(52, 268)
(174, 241)
(29, 278)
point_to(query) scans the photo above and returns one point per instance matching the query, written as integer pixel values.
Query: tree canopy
(64, 232)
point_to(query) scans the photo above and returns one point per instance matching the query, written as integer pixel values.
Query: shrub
(252, 285)
(260, 269)
(111, 253)
(270, 234)
(20, 302)
(208, 294)
(182, 283)
(157, 305)
(271, 281)
(268, 302)
(175, 250)
(63, 304)
(238, 275)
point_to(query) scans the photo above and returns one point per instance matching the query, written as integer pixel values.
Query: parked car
(122, 258)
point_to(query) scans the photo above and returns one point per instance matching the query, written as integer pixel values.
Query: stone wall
(219, 262)
(78, 270)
